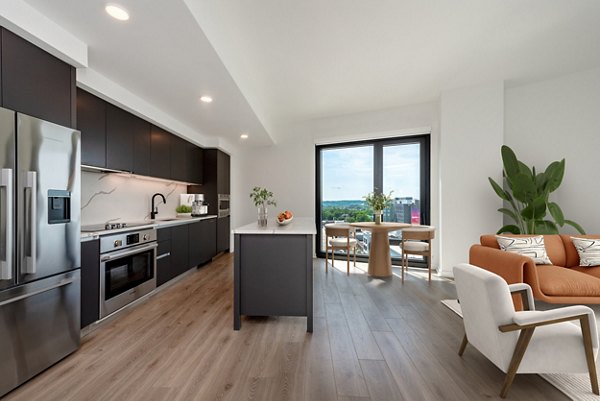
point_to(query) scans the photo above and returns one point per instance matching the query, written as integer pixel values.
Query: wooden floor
(372, 340)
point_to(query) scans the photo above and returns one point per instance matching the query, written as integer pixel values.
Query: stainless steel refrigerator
(39, 246)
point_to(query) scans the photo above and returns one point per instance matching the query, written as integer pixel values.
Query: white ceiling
(278, 62)
(303, 59)
(161, 55)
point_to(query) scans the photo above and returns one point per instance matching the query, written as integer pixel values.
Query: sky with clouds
(347, 173)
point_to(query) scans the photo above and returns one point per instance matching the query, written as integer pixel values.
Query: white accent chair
(526, 341)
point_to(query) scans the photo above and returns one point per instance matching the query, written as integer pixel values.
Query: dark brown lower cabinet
(180, 249)
(185, 246)
(164, 272)
(203, 241)
(223, 234)
(90, 282)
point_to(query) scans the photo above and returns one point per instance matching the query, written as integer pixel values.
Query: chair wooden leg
(326, 258)
(463, 345)
(348, 261)
(589, 353)
(429, 265)
(520, 349)
(403, 256)
(332, 257)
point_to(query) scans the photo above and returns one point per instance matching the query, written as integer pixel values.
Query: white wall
(555, 119)
(471, 137)
(288, 168)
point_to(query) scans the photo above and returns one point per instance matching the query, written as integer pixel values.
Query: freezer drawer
(39, 325)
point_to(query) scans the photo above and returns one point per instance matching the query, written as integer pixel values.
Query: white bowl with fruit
(284, 218)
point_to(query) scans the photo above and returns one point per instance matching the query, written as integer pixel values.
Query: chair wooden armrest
(527, 322)
(524, 290)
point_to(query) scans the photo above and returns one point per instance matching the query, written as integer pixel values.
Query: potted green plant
(184, 211)
(262, 197)
(527, 193)
(378, 201)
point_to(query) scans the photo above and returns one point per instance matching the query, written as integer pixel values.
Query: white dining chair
(340, 236)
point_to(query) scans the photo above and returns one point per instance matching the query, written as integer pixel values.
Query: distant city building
(404, 210)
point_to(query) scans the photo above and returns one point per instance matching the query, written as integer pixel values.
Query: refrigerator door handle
(6, 181)
(37, 292)
(31, 260)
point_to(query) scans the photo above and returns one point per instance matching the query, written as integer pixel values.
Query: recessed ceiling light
(244, 136)
(206, 99)
(117, 12)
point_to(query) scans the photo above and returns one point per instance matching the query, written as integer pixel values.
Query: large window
(347, 172)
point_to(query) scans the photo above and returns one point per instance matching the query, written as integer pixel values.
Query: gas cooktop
(110, 226)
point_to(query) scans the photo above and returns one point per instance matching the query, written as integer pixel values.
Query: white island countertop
(299, 225)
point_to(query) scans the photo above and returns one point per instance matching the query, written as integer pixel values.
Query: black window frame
(424, 141)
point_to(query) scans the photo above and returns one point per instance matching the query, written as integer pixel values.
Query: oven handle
(129, 252)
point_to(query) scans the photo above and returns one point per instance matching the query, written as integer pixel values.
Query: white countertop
(158, 223)
(300, 225)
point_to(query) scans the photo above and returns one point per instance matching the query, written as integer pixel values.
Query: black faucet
(154, 211)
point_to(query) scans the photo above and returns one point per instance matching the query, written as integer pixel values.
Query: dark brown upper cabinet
(179, 159)
(120, 127)
(141, 147)
(160, 153)
(223, 173)
(195, 163)
(113, 138)
(35, 82)
(91, 121)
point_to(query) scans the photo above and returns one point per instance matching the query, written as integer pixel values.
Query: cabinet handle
(164, 255)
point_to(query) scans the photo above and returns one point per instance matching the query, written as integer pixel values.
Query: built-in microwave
(223, 205)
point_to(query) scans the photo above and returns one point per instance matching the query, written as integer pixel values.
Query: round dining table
(380, 261)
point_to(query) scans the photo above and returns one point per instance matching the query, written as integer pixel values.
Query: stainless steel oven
(223, 205)
(127, 268)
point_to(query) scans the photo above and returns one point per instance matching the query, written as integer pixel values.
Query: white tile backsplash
(120, 197)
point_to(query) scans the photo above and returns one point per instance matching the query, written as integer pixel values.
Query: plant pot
(262, 216)
(378, 216)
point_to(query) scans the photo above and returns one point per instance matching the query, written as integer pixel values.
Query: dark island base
(273, 276)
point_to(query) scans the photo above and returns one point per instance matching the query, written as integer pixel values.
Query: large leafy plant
(528, 192)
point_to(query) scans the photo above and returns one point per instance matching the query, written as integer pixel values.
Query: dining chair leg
(348, 261)
(332, 257)
(403, 256)
(429, 265)
(326, 258)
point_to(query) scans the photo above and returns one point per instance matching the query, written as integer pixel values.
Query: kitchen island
(273, 273)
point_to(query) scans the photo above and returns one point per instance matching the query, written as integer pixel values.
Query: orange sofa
(563, 282)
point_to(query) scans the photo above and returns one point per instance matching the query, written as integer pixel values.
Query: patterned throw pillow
(527, 246)
(588, 250)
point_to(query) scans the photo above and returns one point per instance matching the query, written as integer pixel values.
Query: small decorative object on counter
(284, 218)
(184, 211)
(262, 197)
(378, 201)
